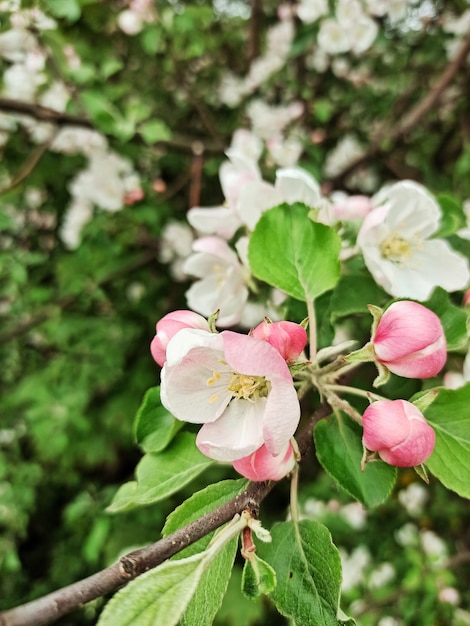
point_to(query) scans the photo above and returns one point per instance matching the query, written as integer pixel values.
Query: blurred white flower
(176, 241)
(221, 285)
(389, 621)
(347, 150)
(355, 514)
(333, 37)
(77, 215)
(381, 575)
(21, 82)
(407, 535)
(449, 595)
(433, 546)
(354, 566)
(309, 11)
(413, 499)
(284, 151)
(130, 22)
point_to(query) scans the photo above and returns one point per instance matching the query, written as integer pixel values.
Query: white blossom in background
(389, 621)
(399, 251)
(333, 37)
(16, 43)
(20, 82)
(407, 536)
(78, 214)
(346, 152)
(284, 151)
(222, 280)
(267, 120)
(309, 11)
(381, 575)
(176, 243)
(233, 89)
(413, 499)
(71, 140)
(434, 547)
(354, 567)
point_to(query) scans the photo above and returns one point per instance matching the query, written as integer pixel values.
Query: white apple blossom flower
(413, 499)
(309, 11)
(221, 285)
(395, 240)
(77, 215)
(237, 386)
(353, 566)
(333, 37)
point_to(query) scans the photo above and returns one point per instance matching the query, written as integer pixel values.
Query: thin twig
(61, 602)
(395, 132)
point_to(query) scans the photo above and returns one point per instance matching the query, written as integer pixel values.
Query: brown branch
(412, 118)
(254, 43)
(29, 165)
(61, 602)
(43, 114)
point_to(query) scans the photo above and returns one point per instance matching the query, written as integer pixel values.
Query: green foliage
(158, 475)
(338, 443)
(308, 572)
(292, 252)
(154, 426)
(258, 577)
(449, 416)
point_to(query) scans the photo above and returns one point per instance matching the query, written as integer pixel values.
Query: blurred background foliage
(75, 325)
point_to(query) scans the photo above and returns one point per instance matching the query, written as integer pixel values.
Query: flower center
(395, 249)
(248, 387)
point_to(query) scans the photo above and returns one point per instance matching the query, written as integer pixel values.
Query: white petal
(255, 198)
(220, 221)
(297, 185)
(236, 434)
(413, 212)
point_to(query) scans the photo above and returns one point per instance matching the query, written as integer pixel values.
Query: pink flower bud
(398, 431)
(410, 341)
(288, 338)
(167, 328)
(466, 298)
(261, 465)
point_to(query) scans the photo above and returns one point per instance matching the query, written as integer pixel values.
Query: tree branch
(61, 602)
(412, 118)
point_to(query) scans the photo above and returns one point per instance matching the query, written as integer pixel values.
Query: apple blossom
(288, 338)
(237, 386)
(171, 324)
(409, 340)
(398, 431)
(221, 284)
(261, 465)
(398, 248)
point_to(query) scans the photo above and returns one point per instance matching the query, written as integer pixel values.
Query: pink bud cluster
(238, 386)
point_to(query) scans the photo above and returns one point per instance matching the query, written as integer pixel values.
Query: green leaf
(453, 319)
(292, 252)
(153, 131)
(449, 416)
(338, 443)
(158, 597)
(68, 9)
(203, 502)
(161, 474)
(258, 577)
(210, 592)
(308, 571)
(154, 426)
(212, 587)
(452, 218)
(353, 293)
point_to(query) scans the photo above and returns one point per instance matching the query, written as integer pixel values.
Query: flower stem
(355, 391)
(312, 328)
(294, 502)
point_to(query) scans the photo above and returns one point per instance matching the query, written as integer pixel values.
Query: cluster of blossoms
(238, 386)
(396, 236)
(241, 387)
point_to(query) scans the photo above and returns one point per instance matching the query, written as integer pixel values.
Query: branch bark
(49, 608)
(413, 117)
